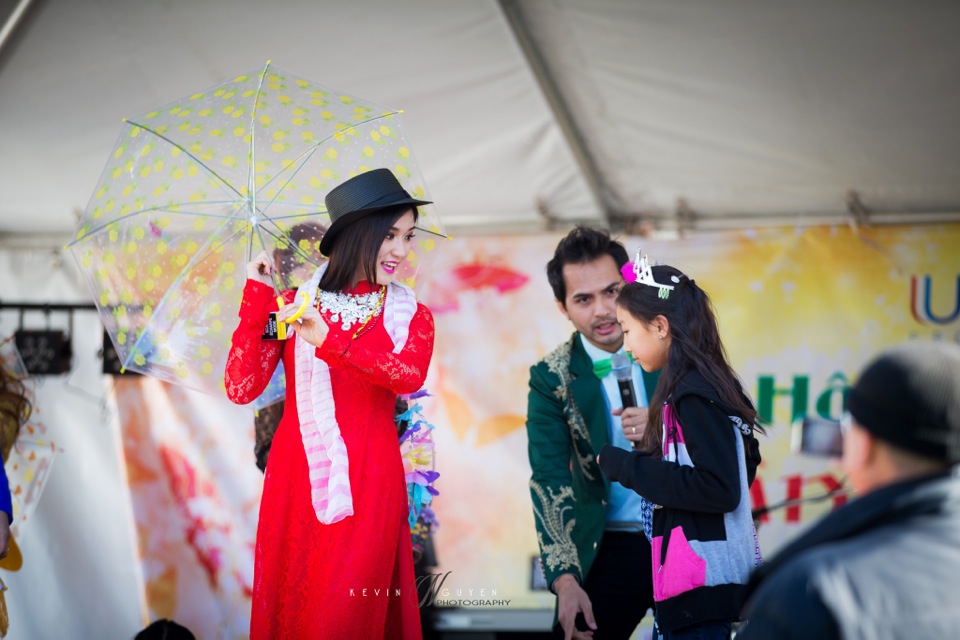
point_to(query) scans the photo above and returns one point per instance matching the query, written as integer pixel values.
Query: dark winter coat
(885, 566)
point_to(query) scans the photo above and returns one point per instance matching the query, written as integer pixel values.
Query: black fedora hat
(361, 195)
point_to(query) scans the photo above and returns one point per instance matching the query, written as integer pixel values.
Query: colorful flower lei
(417, 452)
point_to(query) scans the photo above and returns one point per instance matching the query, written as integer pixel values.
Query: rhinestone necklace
(348, 308)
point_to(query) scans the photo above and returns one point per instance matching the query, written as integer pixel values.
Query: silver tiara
(640, 271)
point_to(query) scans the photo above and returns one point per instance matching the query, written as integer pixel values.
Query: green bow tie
(601, 368)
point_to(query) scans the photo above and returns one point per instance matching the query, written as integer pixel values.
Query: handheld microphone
(622, 369)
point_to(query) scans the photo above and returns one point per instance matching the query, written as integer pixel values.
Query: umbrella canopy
(31, 459)
(194, 189)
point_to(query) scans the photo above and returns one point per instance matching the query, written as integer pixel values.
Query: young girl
(697, 458)
(333, 556)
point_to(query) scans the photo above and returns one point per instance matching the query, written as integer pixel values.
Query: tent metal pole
(734, 221)
(12, 20)
(561, 112)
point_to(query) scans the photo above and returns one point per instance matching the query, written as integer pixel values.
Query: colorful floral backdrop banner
(801, 311)
(196, 494)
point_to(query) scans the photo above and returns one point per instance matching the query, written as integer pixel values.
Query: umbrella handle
(303, 307)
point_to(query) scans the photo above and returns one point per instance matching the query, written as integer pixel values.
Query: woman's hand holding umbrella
(260, 269)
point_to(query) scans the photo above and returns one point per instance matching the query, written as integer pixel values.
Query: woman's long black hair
(358, 245)
(695, 346)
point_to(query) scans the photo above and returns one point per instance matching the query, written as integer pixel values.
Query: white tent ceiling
(525, 112)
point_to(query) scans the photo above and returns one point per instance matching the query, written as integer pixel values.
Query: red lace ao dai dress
(342, 580)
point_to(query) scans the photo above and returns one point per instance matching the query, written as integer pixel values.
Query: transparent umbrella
(194, 189)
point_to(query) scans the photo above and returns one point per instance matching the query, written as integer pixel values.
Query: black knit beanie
(909, 397)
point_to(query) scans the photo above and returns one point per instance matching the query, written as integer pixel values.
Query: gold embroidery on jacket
(558, 363)
(559, 553)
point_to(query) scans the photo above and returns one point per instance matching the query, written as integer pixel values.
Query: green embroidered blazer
(566, 428)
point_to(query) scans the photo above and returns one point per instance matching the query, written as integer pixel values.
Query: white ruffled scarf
(327, 461)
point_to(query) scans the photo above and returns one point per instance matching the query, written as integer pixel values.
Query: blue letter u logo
(923, 313)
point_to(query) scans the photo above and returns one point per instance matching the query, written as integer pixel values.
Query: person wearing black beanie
(887, 564)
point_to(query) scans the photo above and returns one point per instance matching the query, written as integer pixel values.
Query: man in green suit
(594, 553)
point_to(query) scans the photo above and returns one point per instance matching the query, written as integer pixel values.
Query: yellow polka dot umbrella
(194, 189)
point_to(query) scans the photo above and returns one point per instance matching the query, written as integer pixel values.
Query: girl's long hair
(695, 346)
(15, 408)
(358, 245)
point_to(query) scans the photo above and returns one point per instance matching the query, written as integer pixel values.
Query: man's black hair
(580, 246)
